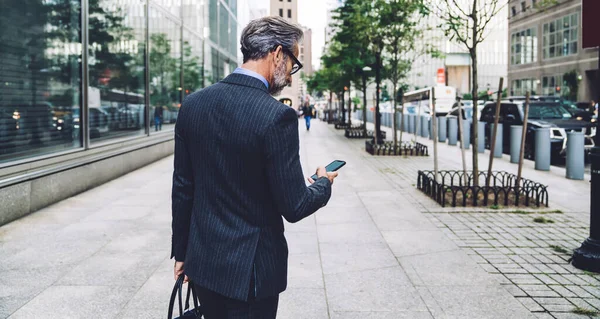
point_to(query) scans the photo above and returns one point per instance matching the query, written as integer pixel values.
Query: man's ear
(277, 54)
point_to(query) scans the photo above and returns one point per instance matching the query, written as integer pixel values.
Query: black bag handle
(177, 292)
(191, 288)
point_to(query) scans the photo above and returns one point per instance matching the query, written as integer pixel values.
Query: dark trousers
(216, 306)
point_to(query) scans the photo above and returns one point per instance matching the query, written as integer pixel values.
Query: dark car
(541, 115)
(574, 109)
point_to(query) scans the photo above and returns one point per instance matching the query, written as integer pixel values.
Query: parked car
(541, 115)
(573, 108)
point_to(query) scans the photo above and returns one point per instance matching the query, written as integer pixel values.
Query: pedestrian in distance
(594, 106)
(308, 112)
(158, 118)
(236, 173)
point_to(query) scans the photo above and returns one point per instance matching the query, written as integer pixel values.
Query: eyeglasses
(297, 65)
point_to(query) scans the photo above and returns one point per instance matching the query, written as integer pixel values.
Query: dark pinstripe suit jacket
(237, 172)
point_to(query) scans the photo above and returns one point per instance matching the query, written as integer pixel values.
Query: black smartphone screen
(332, 167)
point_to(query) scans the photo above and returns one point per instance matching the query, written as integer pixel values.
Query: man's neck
(258, 67)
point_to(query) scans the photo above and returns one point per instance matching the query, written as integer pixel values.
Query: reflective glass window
(116, 69)
(40, 77)
(562, 35)
(165, 71)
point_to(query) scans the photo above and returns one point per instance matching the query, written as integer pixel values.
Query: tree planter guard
(403, 149)
(450, 189)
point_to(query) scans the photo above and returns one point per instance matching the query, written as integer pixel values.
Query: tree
(468, 26)
(163, 67)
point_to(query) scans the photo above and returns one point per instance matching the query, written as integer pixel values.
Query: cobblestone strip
(528, 253)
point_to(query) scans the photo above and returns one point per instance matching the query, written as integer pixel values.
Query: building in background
(70, 98)
(296, 92)
(546, 54)
(456, 62)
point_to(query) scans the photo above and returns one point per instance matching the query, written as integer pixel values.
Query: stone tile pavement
(380, 249)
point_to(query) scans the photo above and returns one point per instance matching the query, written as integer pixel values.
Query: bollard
(442, 129)
(411, 124)
(465, 139)
(575, 155)
(452, 131)
(481, 137)
(430, 123)
(516, 133)
(424, 126)
(405, 121)
(498, 151)
(542, 152)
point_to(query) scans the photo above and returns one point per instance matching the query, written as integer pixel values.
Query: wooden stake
(493, 142)
(435, 138)
(523, 137)
(462, 143)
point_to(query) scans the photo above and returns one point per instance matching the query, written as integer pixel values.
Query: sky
(312, 14)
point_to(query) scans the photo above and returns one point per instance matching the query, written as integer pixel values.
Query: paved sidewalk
(380, 249)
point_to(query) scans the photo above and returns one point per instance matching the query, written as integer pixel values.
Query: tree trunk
(394, 124)
(377, 119)
(349, 107)
(473, 52)
(343, 108)
(364, 110)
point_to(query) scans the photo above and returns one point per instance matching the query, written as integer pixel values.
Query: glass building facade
(77, 74)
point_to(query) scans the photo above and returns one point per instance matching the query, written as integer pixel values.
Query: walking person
(308, 111)
(158, 117)
(236, 173)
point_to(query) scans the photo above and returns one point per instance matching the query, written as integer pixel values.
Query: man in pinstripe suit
(237, 172)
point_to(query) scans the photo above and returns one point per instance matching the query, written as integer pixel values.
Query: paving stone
(478, 302)
(580, 292)
(372, 290)
(347, 257)
(380, 315)
(521, 279)
(515, 291)
(567, 315)
(530, 304)
(563, 291)
(559, 308)
(77, 302)
(561, 279)
(293, 303)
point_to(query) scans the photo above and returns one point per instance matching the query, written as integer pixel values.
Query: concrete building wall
(543, 67)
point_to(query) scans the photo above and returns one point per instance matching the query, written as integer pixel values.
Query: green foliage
(586, 312)
(467, 96)
(559, 249)
(542, 220)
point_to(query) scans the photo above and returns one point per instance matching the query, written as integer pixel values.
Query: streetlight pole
(587, 257)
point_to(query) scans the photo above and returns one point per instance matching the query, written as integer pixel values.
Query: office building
(546, 53)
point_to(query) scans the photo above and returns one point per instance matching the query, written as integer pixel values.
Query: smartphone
(332, 167)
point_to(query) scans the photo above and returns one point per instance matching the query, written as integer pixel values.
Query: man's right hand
(322, 172)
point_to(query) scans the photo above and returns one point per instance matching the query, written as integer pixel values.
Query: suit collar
(245, 80)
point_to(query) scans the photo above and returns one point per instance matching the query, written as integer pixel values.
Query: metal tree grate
(450, 188)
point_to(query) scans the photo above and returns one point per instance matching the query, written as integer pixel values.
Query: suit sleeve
(292, 197)
(182, 192)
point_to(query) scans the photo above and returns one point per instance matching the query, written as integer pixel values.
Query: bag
(177, 293)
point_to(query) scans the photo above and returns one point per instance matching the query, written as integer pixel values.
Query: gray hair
(263, 35)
